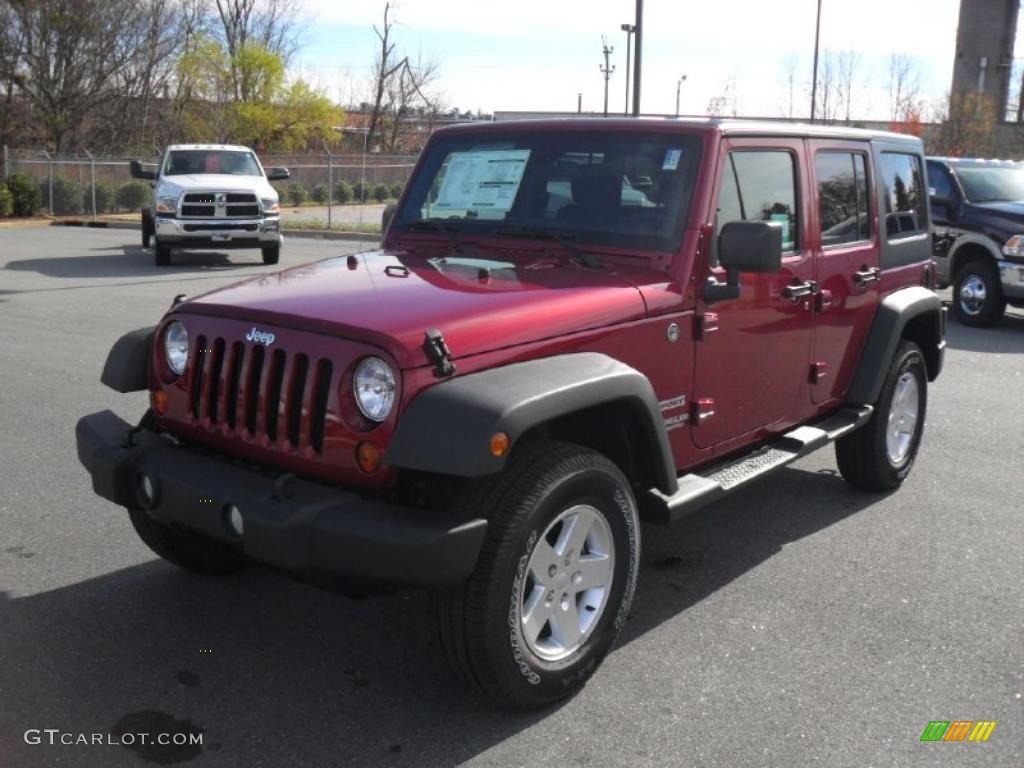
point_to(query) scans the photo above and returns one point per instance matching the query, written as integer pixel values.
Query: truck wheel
(185, 549)
(977, 294)
(272, 254)
(148, 228)
(879, 455)
(162, 255)
(554, 581)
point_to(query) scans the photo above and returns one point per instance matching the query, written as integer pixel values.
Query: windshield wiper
(586, 259)
(439, 226)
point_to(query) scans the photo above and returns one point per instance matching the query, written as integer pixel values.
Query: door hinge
(703, 409)
(438, 353)
(818, 371)
(706, 323)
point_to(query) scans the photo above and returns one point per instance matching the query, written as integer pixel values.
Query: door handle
(866, 275)
(796, 291)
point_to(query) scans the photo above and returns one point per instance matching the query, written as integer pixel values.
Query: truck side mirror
(278, 174)
(385, 218)
(744, 246)
(941, 200)
(138, 172)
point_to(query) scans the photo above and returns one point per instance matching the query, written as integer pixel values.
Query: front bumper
(219, 233)
(324, 535)
(1011, 275)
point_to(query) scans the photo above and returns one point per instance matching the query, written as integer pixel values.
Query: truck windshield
(992, 184)
(627, 188)
(185, 161)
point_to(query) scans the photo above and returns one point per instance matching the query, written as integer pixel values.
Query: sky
(537, 55)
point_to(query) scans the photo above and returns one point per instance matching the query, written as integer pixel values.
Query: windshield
(232, 162)
(627, 188)
(987, 185)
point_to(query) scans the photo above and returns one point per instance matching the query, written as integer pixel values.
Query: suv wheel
(148, 228)
(555, 578)
(977, 294)
(162, 255)
(879, 455)
(272, 254)
(185, 549)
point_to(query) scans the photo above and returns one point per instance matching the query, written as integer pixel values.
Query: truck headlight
(374, 387)
(167, 204)
(176, 347)
(1014, 247)
(270, 205)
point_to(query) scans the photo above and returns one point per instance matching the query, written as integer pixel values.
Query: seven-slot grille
(261, 392)
(220, 204)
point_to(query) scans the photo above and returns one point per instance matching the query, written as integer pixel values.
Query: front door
(752, 366)
(848, 274)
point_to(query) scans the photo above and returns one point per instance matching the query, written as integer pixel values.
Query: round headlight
(176, 347)
(374, 387)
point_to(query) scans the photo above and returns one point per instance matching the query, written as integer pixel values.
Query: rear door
(847, 269)
(751, 366)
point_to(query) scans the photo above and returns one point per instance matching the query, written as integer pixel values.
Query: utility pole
(638, 30)
(629, 29)
(679, 84)
(606, 70)
(579, 103)
(814, 79)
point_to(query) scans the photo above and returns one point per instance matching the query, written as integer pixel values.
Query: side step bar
(695, 491)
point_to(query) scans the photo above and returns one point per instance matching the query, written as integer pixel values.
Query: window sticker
(485, 182)
(672, 158)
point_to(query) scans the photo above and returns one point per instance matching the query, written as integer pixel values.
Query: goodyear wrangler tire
(185, 549)
(554, 581)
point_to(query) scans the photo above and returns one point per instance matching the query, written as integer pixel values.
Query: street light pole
(679, 84)
(638, 30)
(606, 70)
(814, 80)
(629, 29)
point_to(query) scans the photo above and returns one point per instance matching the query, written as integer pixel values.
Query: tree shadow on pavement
(276, 673)
(135, 261)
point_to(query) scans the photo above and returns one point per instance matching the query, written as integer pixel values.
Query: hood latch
(438, 352)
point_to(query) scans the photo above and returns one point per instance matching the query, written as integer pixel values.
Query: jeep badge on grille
(260, 337)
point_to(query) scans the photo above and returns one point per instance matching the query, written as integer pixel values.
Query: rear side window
(904, 194)
(843, 196)
(940, 181)
(760, 186)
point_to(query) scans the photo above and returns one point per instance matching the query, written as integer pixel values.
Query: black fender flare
(127, 366)
(914, 312)
(447, 428)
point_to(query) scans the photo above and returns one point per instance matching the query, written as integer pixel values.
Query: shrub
(25, 195)
(320, 193)
(358, 193)
(105, 194)
(342, 192)
(396, 189)
(381, 193)
(6, 201)
(132, 196)
(297, 193)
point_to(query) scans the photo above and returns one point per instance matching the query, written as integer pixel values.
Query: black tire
(272, 254)
(162, 255)
(974, 312)
(479, 625)
(185, 549)
(148, 228)
(863, 456)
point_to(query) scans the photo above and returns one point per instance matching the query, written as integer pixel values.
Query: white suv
(211, 196)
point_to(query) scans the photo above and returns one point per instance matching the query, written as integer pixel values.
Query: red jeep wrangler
(571, 326)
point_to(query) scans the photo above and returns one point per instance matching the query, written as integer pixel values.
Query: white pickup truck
(211, 196)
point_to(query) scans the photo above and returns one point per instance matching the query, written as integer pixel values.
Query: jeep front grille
(210, 205)
(270, 396)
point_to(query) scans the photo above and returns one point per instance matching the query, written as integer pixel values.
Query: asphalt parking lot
(796, 623)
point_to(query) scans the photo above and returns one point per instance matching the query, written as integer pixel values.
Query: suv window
(904, 194)
(760, 186)
(843, 196)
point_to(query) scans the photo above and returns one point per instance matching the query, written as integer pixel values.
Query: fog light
(368, 457)
(145, 490)
(233, 518)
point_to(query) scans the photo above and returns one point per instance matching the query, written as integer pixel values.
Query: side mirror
(278, 174)
(138, 172)
(941, 200)
(744, 246)
(385, 218)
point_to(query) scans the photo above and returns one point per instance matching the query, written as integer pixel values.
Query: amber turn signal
(500, 443)
(368, 457)
(159, 400)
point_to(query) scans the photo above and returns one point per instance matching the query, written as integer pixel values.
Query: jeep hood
(391, 299)
(214, 182)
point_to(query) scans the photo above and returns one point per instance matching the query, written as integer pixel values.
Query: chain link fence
(96, 185)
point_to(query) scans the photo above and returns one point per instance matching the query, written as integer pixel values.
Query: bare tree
(904, 87)
(385, 68)
(407, 91)
(269, 23)
(847, 64)
(790, 65)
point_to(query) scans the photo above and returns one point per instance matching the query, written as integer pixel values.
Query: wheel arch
(584, 397)
(968, 248)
